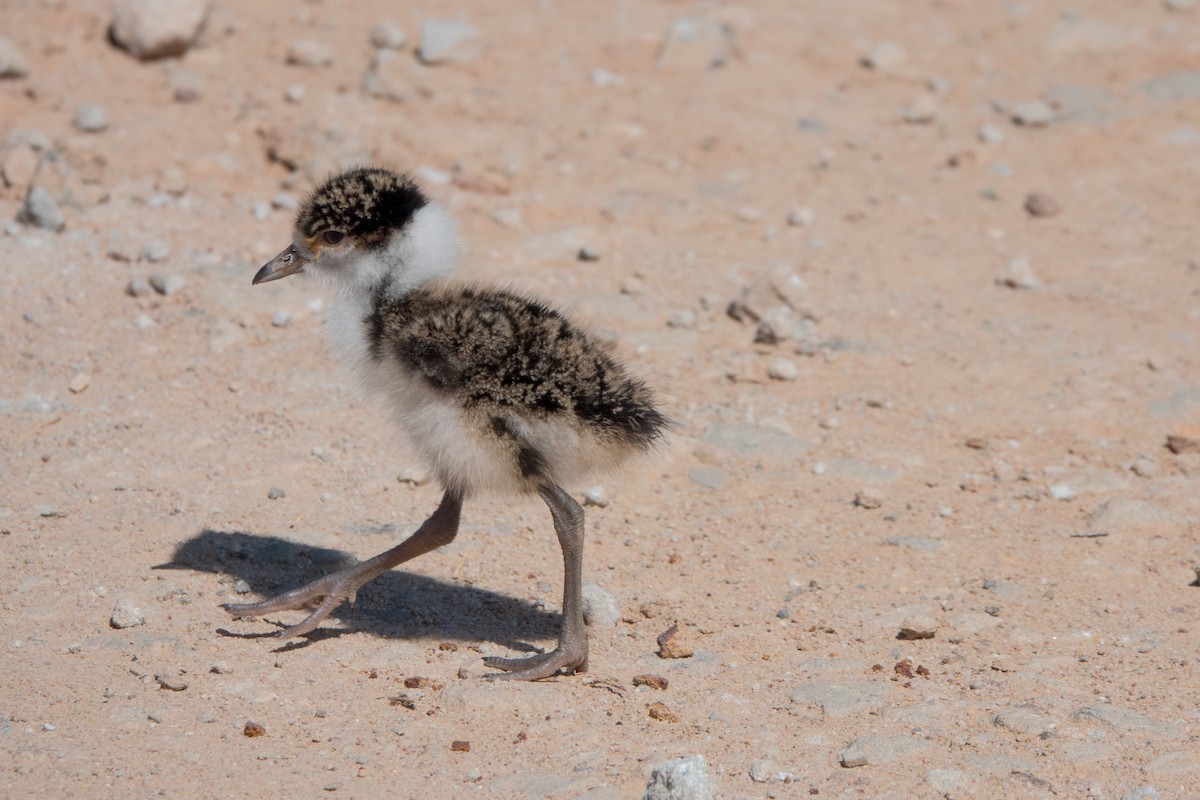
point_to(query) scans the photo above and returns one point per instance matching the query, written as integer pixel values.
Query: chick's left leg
(330, 591)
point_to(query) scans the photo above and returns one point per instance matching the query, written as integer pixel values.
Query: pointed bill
(289, 262)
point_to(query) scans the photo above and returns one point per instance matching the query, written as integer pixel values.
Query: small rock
(853, 755)
(885, 57)
(921, 110)
(587, 253)
(408, 699)
(600, 608)
(260, 210)
(605, 78)
(284, 201)
(1023, 719)
(919, 627)
(91, 118)
(868, 497)
(782, 369)
(653, 681)
(470, 669)
(294, 93)
(1019, 275)
(79, 383)
(388, 35)
(275, 493)
(680, 779)
(748, 214)
(1032, 113)
(13, 63)
(1063, 492)
(154, 252)
(1040, 204)
(49, 726)
(127, 615)
(220, 668)
(20, 165)
(388, 77)
(682, 318)
(449, 42)
(241, 586)
(697, 43)
(662, 713)
(460, 746)
(596, 496)
(801, 216)
(171, 679)
(990, 134)
(1145, 468)
(253, 729)
(507, 218)
(281, 319)
(672, 644)
(776, 325)
(1179, 445)
(166, 284)
(414, 476)
(779, 285)
(149, 29)
(186, 85)
(309, 53)
(41, 210)
(763, 771)
(172, 182)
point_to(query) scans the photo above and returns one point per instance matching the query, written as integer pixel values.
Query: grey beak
(289, 262)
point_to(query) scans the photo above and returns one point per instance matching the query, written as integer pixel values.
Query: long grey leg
(572, 652)
(329, 592)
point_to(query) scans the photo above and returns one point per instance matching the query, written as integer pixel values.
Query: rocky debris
(40, 210)
(770, 289)
(921, 110)
(600, 608)
(697, 43)
(868, 497)
(79, 383)
(252, 729)
(754, 441)
(138, 287)
(1040, 204)
(388, 35)
(1179, 444)
(990, 134)
(653, 681)
(782, 369)
(680, 779)
(682, 318)
(151, 29)
(801, 216)
(449, 41)
(1032, 113)
(587, 253)
(13, 63)
(778, 324)
(275, 493)
(281, 319)
(661, 712)
(918, 627)
(171, 679)
(309, 53)
(20, 165)
(885, 57)
(1019, 275)
(1142, 793)
(596, 496)
(388, 76)
(126, 615)
(1180, 85)
(166, 284)
(91, 118)
(414, 476)
(672, 643)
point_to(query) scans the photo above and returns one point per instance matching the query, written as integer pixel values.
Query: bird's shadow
(396, 604)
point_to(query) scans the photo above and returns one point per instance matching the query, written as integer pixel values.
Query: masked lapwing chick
(499, 393)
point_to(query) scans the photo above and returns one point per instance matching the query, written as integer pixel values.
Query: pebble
(275, 493)
(868, 497)
(91, 118)
(220, 668)
(13, 63)
(166, 284)
(885, 57)
(471, 669)
(990, 134)
(48, 726)
(1019, 275)
(294, 93)
(281, 319)
(762, 771)
(782, 369)
(143, 321)
(309, 53)
(1145, 468)
(880, 750)
(127, 615)
(414, 476)
(41, 210)
(186, 85)
(388, 35)
(587, 253)
(1137, 518)
(154, 252)
(600, 608)
(774, 286)
(20, 165)
(596, 496)
(388, 77)
(1063, 492)
(921, 110)
(777, 324)
(801, 216)
(1040, 204)
(682, 318)
(79, 383)
(449, 41)
(147, 29)
(680, 779)
(604, 78)
(241, 586)
(171, 679)
(284, 201)
(507, 218)
(1032, 113)
(698, 43)
(918, 627)
(672, 643)
(260, 210)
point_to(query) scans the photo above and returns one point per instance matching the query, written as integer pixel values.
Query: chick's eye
(333, 237)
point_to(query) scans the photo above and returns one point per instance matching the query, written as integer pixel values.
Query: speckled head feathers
(366, 203)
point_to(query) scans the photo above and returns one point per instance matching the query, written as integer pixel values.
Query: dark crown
(367, 203)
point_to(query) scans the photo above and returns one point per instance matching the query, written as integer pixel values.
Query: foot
(325, 593)
(562, 660)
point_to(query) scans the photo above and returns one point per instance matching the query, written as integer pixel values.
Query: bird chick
(497, 391)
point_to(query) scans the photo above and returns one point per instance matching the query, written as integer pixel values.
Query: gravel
(151, 29)
(91, 118)
(40, 210)
(680, 779)
(13, 63)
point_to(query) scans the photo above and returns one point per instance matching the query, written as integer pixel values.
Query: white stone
(150, 29)
(388, 35)
(309, 53)
(680, 779)
(13, 63)
(449, 41)
(600, 608)
(885, 57)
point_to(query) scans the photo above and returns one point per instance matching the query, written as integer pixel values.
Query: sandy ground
(967, 435)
